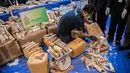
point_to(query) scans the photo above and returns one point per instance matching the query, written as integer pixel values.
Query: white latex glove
(124, 13)
(120, 1)
(107, 11)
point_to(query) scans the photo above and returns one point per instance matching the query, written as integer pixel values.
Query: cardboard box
(2, 58)
(38, 65)
(10, 50)
(78, 46)
(94, 29)
(36, 37)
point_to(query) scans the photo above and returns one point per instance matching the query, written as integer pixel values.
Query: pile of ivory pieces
(20, 6)
(97, 62)
(13, 7)
(30, 48)
(28, 4)
(98, 46)
(5, 36)
(56, 47)
(96, 50)
(18, 30)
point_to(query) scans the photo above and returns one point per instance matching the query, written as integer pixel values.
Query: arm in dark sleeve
(127, 6)
(109, 3)
(94, 2)
(94, 16)
(77, 24)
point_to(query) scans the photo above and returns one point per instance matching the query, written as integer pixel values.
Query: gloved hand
(74, 5)
(124, 13)
(107, 11)
(93, 38)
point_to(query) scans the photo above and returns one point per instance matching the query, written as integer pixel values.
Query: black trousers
(102, 17)
(117, 19)
(127, 33)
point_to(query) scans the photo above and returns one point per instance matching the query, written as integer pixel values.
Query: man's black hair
(89, 8)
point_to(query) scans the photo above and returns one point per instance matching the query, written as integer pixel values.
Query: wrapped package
(35, 36)
(78, 46)
(94, 29)
(38, 63)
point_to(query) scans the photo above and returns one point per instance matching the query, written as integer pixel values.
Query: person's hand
(107, 11)
(90, 21)
(74, 5)
(124, 13)
(93, 38)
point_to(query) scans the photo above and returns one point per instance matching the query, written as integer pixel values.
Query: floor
(118, 58)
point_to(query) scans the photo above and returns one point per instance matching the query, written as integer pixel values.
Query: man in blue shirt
(74, 20)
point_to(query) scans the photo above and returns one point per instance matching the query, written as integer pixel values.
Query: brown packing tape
(36, 37)
(78, 46)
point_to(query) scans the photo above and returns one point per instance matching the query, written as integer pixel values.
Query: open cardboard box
(9, 51)
(36, 37)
